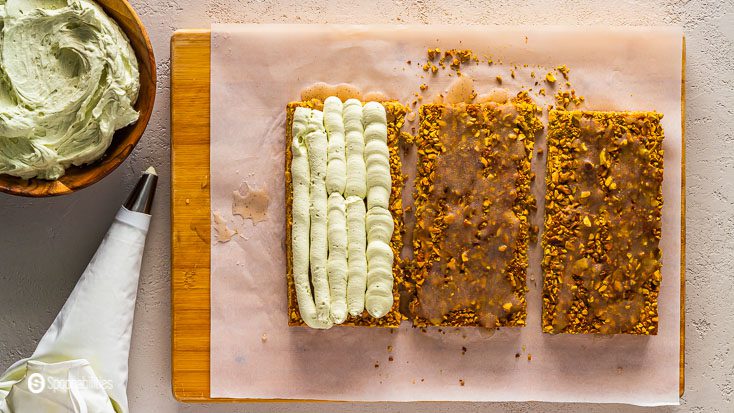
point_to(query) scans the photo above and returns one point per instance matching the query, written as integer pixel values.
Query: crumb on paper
(463, 350)
(389, 349)
(530, 357)
(461, 382)
(377, 364)
(459, 56)
(567, 98)
(517, 355)
(563, 69)
(264, 337)
(224, 233)
(550, 78)
(250, 204)
(499, 79)
(390, 358)
(433, 53)
(453, 58)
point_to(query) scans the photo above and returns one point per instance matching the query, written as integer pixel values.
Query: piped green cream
(355, 184)
(336, 176)
(376, 155)
(356, 255)
(379, 297)
(316, 143)
(337, 262)
(336, 168)
(301, 228)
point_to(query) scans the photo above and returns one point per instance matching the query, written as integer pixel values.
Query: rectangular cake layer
(472, 203)
(602, 222)
(395, 119)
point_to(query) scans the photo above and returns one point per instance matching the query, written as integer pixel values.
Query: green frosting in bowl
(68, 81)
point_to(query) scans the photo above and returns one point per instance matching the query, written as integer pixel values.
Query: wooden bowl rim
(100, 170)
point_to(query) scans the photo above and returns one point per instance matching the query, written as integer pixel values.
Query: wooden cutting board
(191, 219)
(190, 232)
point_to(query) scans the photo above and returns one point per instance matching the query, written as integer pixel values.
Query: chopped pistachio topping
(601, 254)
(472, 204)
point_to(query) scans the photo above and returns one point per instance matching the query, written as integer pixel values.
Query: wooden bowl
(78, 177)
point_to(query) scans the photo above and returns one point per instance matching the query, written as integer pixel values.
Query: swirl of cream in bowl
(68, 80)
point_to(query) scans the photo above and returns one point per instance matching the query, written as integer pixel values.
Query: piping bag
(81, 363)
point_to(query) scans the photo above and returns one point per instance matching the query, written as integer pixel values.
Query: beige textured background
(45, 244)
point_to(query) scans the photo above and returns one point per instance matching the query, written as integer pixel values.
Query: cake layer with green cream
(342, 226)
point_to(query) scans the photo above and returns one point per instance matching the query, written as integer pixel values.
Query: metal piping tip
(141, 198)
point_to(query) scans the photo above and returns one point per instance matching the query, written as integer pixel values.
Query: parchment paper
(257, 69)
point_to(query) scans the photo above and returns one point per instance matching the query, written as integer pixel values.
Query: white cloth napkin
(81, 363)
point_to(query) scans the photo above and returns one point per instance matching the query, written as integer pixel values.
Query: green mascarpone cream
(68, 81)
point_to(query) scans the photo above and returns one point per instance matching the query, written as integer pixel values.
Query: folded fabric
(68, 386)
